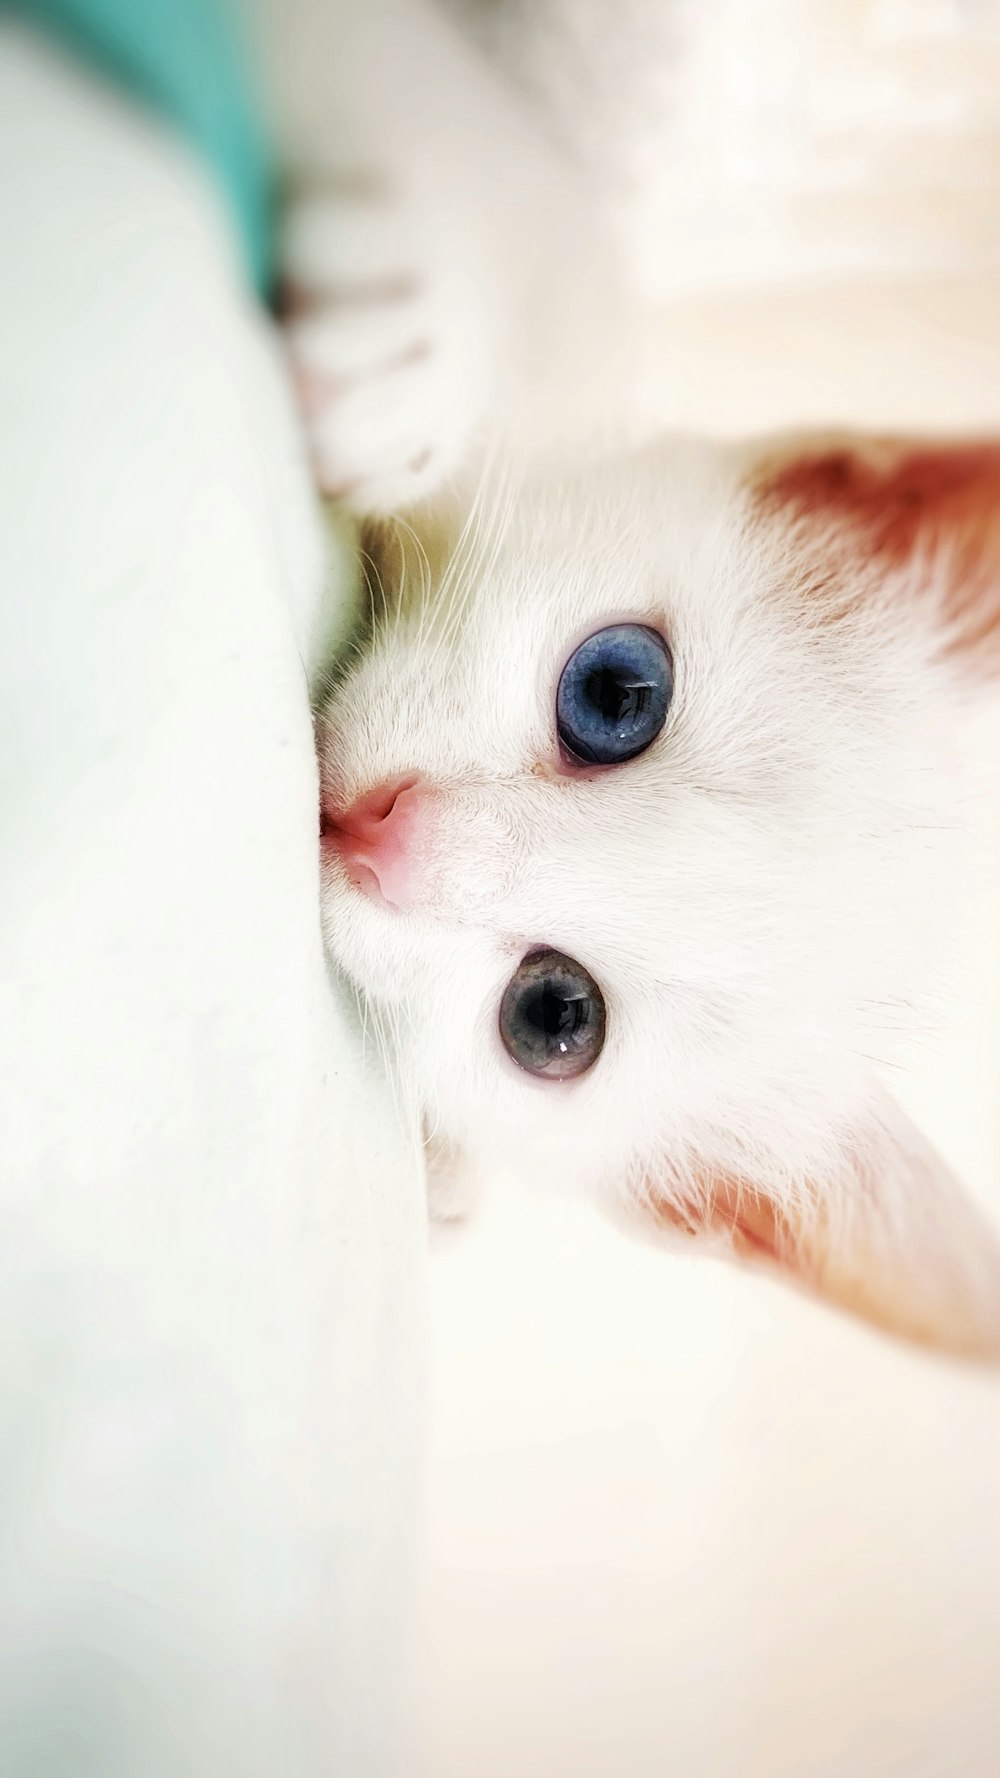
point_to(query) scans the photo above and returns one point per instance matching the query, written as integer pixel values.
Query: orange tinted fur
(894, 501)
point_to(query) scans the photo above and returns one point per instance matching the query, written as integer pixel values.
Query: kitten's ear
(896, 506)
(888, 1234)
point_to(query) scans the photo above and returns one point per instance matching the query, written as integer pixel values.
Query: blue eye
(614, 694)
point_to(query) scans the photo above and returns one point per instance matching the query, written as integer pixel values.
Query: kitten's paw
(389, 338)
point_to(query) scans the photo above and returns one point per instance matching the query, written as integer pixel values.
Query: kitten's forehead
(623, 529)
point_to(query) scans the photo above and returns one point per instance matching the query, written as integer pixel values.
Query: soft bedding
(210, 1228)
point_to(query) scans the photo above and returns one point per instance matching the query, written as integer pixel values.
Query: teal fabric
(188, 60)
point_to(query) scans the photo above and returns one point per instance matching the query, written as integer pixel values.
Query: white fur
(675, 879)
(764, 897)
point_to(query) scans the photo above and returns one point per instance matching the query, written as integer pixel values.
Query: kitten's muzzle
(376, 838)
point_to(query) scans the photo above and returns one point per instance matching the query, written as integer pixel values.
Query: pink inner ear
(748, 1220)
(893, 502)
(758, 1230)
(890, 1237)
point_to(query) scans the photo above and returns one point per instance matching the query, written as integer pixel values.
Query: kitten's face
(752, 894)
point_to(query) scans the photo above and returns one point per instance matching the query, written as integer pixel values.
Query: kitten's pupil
(552, 1017)
(616, 698)
(557, 1015)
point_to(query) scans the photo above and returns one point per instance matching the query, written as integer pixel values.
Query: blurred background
(677, 1522)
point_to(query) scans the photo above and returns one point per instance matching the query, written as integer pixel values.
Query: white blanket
(210, 1228)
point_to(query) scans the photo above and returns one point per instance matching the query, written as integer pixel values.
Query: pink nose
(375, 837)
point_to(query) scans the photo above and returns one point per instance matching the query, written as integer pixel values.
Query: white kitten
(750, 902)
(736, 922)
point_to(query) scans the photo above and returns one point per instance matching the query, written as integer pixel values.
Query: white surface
(686, 1523)
(210, 1228)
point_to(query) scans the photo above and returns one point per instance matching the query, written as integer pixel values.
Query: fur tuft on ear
(889, 1235)
(897, 506)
